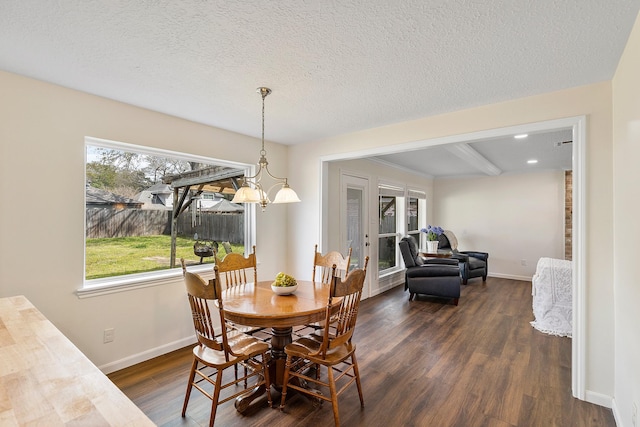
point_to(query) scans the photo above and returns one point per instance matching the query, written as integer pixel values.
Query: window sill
(389, 272)
(110, 285)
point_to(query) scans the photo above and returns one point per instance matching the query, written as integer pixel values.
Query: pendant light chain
(264, 92)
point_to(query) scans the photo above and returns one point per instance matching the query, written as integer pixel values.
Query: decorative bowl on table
(284, 284)
(284, 290)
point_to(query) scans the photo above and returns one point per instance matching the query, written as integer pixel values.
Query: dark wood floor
(423, 363)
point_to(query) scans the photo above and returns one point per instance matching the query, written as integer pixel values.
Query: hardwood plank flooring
(422, 363)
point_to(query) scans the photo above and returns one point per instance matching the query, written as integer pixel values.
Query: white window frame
(392, 190)
(421, 196)
(107, 285)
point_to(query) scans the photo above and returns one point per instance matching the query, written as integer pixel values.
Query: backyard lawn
(118, 256)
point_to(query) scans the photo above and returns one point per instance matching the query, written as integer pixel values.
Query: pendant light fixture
(252, 190)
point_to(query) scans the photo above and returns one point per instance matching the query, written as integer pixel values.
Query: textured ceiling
(334, 67)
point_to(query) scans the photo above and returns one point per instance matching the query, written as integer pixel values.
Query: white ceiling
(551, 149)
(334, 67)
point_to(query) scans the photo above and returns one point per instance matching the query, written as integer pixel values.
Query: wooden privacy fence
(108, 222)
(213, 226)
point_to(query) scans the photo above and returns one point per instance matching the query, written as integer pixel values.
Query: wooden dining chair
(220, 351)
(334, 350)
(323, 264)
(323, 267)
(236, 270)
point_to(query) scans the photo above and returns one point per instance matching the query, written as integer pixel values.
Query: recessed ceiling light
(520, 136)
(532, 161)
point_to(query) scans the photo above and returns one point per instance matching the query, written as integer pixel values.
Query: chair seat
(244, 345)
(475, 263)
(304, 347)
(433, 270)
(472, 263)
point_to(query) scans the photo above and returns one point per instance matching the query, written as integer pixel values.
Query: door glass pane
(387, 233)
(354, 225)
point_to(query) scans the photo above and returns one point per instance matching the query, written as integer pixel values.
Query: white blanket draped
(552, 297)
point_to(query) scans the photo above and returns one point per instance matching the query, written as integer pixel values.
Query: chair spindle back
(235, 269)
(326, 263)
(200, 294)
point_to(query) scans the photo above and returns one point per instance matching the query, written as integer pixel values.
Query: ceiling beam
(472, 157)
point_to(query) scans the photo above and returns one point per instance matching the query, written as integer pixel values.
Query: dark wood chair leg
(455, 301)
(192, 376)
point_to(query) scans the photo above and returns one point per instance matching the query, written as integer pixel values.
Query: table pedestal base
(280, 338)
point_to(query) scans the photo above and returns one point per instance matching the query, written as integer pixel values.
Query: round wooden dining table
(255, 304)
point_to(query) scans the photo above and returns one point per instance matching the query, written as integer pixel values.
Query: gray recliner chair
(438, 277)
(472, 263)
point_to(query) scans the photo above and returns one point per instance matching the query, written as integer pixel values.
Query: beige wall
(513, 217)
(626, 202)
(42, 131)
(593, 101)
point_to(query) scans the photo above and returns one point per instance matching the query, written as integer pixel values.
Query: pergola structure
(189, 185)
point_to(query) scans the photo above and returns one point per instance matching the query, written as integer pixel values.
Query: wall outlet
(634, 415)
(109, 335)
(523, 262)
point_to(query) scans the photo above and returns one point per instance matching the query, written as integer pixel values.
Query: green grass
(128, 255)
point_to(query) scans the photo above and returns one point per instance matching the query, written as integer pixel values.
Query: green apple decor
(284, 284)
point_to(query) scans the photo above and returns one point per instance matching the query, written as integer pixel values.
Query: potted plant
(432, 232)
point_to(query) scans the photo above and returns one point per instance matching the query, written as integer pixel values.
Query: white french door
(354, 223)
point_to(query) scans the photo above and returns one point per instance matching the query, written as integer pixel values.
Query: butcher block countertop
(46, 380)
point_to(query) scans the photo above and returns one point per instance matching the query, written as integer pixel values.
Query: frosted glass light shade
(286, 195)
(246, 194)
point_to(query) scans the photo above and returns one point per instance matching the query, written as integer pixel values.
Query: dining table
(257, 305)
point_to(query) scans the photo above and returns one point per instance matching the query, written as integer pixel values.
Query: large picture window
(146, 209)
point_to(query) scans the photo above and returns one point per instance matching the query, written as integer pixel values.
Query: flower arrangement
(432, 232)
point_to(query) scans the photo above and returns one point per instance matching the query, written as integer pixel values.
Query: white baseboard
(385, 288)
(146, 355)
(510, 276)
(598, 398)
(616, 413)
